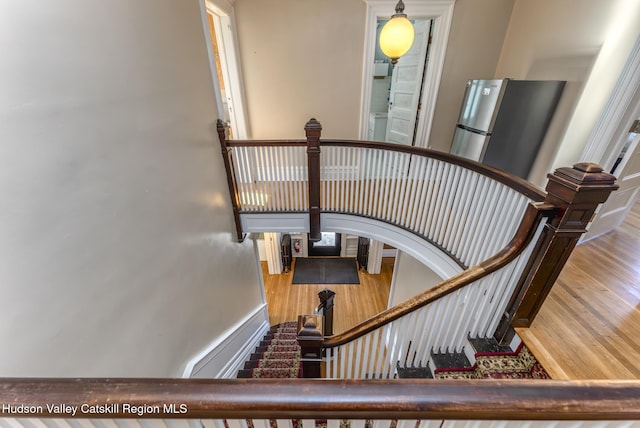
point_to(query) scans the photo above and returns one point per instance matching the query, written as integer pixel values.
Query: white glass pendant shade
(396, 36)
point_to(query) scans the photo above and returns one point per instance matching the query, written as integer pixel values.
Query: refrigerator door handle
(469, 144)
(474, 130)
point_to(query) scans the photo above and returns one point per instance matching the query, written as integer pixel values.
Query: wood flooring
(353, 303)
(588, 328)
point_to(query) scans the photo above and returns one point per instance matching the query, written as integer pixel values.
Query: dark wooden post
(310, 338)
(326, 303)
(576, 192)
(233, 188)
(312, 130)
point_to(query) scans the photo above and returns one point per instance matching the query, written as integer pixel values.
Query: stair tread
(276, 356)
(269, 363)
(414, 373)
(276, 373)
(444, 361)
(488, 345)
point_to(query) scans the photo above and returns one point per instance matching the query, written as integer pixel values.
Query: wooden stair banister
(310, 336)
(312, 130)
(329, 399)
(222, 127)
(533, 216)
(467, 210)
(576, 192)
(325, 308)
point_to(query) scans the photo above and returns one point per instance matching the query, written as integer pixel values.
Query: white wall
(115, 234)
(583, 41)
(411, 277)
(302, 59)
(475, 40)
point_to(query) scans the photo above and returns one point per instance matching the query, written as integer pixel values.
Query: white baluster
(430, 197)
(422, 327)
(350, 359)
(413, 192)
(367, 354)
(401, 214)
(355, 180)
(421, 192)
(459, 213)
(374, 351)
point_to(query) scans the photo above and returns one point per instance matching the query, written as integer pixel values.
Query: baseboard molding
(225, 356)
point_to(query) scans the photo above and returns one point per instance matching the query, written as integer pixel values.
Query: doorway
(439, 14)
(328, 246)
(627, 170)
(225, 66)
(407, 84)
(615, 144)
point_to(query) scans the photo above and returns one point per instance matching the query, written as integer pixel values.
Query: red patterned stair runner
(520, 364)
(277, 356)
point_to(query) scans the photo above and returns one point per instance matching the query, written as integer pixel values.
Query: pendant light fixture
(396, 37)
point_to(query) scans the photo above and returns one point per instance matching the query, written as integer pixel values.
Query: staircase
(489, 361)
(277, 355)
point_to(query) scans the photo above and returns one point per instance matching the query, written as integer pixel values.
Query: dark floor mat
(325, 270)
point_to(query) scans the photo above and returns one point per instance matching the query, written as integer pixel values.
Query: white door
(274, 257)
(406, 83)
(612, 213)
(225, 66)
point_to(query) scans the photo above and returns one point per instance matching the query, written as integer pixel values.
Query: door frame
(611, 131)
(225, 30)
(421, 67)
(623, 107)
(441, 12)
(333, 251)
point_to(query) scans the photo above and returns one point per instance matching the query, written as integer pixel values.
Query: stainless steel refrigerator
(502, 122)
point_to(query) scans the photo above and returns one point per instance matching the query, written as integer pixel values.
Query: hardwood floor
(588, 328)
(352, 303)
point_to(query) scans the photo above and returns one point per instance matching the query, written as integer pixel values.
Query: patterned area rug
(520, 364)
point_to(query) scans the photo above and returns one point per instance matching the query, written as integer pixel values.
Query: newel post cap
(313, 125)
(585, 182)
(310, 330)
(326, 294)
(585, 173)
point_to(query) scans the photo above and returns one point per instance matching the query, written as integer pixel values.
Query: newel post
(312, 130)
(576, 192)
(326, 303)
(310, 339)
(233, 188)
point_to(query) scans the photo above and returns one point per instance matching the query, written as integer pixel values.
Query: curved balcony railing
(440, 319)
(475, 214)
(467, 210)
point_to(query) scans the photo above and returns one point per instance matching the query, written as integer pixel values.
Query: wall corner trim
(226, 354)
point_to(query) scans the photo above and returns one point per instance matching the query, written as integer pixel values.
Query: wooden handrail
(221, 127)
(520, 185)
(521, 239)
(574, 193)
(516, 183)
(326, 399)
(265, 143)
